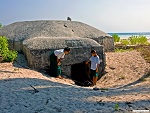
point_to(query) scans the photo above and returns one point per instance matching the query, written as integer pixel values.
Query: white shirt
(59, 53)
(94, 61)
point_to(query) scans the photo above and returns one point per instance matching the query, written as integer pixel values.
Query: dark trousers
(92, 73)
(55, 70)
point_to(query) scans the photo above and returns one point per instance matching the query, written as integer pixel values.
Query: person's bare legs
(59, 77)
(59, 72)
(94, 80)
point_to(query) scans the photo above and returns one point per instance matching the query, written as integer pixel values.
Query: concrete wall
(39, 59)
(16, 45)
(107, 42)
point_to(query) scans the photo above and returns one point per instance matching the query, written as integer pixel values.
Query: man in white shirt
(95, 61)
(55, 61)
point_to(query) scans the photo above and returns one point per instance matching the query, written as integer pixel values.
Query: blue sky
(106, 15)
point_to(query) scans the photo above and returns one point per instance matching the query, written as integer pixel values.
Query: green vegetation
(116, 38)
(133, 40)
(139, 43)
(16, 69)
(146, 77)
(143, 49)
(138, 40)
(103, 88)
(116, 107)
(143, 79)
(125, 41)
(8, 55)
(145, 52)
(123, 50)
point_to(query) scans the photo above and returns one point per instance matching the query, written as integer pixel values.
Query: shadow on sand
(17, 95)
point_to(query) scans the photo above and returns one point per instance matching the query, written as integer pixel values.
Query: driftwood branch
(35, 90)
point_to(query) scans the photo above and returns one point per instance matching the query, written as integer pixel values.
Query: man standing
(55, 61)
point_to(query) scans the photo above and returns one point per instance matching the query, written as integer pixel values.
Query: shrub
(125, 42)
(133, 40)
(116, 38)
(116, 107)
(142, 40)
(123, 50)
(138, 40)
(8, 55)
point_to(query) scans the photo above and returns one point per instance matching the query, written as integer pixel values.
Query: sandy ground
(124, 88)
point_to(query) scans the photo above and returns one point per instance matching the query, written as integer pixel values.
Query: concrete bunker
(37, 51)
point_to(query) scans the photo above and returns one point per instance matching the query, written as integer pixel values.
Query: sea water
(127, 35)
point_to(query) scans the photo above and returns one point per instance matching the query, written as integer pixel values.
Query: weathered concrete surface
(37, 39)
(38, 49)
(20, 31)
